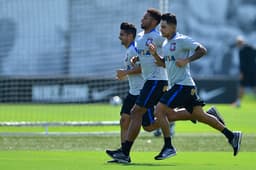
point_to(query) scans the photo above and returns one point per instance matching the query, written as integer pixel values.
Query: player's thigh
(128, 104)
(192, 99)
(174, 97)
(149, 122)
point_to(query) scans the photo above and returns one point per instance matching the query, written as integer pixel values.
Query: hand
(152, 49)
(121, 74)
(133, 60)
(181, 62)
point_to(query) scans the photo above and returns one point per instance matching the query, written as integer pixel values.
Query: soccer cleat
(119, 156)
(113, 161)
(214, 112)
(236, 141)
(166, 153)
(157, 133)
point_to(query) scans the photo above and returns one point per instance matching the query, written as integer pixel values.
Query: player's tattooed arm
(153, 51)
(199, 52)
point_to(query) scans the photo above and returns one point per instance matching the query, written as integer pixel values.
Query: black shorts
(249, 80)
(129, 101)
(180, 96)
(151, 92)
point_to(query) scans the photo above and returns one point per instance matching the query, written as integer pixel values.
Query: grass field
(199, 147)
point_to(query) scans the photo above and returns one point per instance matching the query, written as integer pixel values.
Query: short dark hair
(129, 28)
(169, 18)
(154, 13)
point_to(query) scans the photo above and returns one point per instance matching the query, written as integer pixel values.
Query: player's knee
(137, 112)
(159, 111)
(124, 121)
(148, 128)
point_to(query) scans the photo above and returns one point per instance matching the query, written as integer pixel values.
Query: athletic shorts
(129, 102)
(151, 93)
(180, 96)
(249, 80)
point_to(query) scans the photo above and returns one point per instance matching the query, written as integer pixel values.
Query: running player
(176, 52)
(136, 81)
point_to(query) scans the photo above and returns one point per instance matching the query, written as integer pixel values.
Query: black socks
(228, 134)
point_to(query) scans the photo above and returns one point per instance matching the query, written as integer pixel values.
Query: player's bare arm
(199, 52)
(133, 60)
(153, 51)
(121, 73)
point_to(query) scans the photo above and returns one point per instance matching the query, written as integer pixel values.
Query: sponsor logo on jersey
(169, 58)
(143, 52)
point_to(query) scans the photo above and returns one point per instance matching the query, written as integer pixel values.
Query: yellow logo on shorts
(193, 92)
(165, 88)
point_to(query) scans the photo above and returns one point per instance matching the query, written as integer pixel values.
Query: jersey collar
(131, 44)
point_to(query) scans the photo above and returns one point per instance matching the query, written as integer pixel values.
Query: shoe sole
(118, 160)
(239, 143)
(162, 158)
(217, 115)
(122, 161)
(113, 161)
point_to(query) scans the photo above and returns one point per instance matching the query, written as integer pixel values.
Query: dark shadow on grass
(150, 164)
(143, 164)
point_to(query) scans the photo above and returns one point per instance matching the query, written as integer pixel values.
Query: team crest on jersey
(149, 41)
(173, 47)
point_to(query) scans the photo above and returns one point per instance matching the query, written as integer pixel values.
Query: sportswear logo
(99, 95)
(208, 95)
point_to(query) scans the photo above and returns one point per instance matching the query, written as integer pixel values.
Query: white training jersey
(150, 71)
(136, 81)
(179, 47)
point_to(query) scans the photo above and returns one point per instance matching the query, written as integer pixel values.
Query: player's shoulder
(132, 50)
(155, 33)
(180, 36)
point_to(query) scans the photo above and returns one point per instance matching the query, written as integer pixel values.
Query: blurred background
(79, 38)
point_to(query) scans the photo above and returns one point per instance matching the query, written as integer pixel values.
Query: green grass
(236, 118)
(24, 160)
(58, 112)
(199, 147)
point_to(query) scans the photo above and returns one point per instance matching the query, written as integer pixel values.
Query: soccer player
(136, 81)
(155, 85)
(176, 52)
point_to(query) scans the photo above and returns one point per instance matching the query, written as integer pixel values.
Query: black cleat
(236, 141)
(214, 112)
(166, 153)
(119, 156)
(157, 133)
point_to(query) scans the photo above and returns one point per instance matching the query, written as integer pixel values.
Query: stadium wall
(91, 90)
